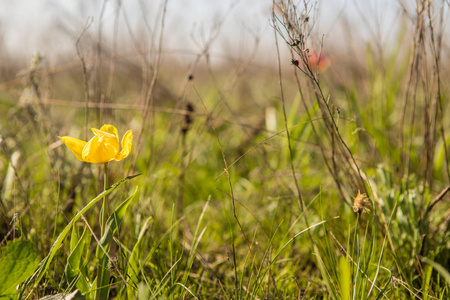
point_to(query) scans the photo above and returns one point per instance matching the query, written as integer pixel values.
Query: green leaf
(441, 270)
(344, 278)
(325, 274)
(45, 263)
(426, 281)
(73, 271)
(74, 239)
(18, 261)
(112, 225)
(143, 291)
(133, 267)
(114, 221)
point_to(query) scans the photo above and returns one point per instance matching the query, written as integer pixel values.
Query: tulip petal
(74, 145)
(109, 134)
(102, 148)
(127, 143)
(110, 129)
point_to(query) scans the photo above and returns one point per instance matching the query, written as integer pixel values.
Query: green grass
(186, 228)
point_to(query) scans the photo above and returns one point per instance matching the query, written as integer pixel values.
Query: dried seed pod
(187, 118)
(361, 204)
(112, 262)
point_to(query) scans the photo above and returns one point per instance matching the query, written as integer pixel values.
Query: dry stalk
(85, 75)
(295, 29)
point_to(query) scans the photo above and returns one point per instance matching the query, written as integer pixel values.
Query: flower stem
(102, 288)
(105, 186)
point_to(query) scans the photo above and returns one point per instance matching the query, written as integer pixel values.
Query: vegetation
(320, 177)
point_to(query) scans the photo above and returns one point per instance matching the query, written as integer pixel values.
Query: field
(323, 174)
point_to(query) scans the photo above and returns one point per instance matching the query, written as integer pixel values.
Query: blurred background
(53, 27)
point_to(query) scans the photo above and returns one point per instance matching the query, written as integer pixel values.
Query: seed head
(361, 204)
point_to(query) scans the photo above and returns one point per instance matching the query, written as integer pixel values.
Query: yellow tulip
(103, 147)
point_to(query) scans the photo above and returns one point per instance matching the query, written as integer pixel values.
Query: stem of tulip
(105, 186)
(102, 289)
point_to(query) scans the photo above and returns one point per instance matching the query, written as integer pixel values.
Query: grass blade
(45, 263)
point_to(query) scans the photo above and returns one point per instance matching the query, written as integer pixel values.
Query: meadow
(323, 175)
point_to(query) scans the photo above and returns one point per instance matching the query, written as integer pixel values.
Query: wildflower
(361, 204)
(103, 147)
(319, 61)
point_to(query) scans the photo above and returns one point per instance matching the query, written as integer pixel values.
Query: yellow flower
(103, 147)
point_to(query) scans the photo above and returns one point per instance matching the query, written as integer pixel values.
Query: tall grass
(284, 182)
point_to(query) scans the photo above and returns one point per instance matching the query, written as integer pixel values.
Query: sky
(53, 26)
